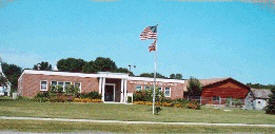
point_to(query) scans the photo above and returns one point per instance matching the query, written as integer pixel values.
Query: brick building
(114, 87)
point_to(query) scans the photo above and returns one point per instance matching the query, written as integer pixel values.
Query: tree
(260, 86)
(42, 66)
(270, 108)
(124, 70)
(89, 67)
(3, 80)
(105, 64)
(70, 65)
(179, 76)
(158, 75)
(12, 73)
(175, 76)
(172, 76)
(194, 87)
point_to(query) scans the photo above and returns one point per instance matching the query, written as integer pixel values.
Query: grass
(49, 126)
(130, 112)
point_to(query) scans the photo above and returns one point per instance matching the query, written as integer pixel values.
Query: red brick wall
(31, 83)
(176, 88)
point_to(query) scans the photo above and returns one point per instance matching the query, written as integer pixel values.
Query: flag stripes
(149, 32)
(153, 46)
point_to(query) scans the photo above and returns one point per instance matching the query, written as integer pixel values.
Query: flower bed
(87, 100)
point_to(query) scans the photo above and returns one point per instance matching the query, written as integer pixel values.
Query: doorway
(109, 92)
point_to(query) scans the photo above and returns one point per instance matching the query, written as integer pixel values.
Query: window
(147, 88)
(78, 85)
(43, 85)
(167, 92)
(61, 84)
(159, 89)
(138, 88)
(216, 98)
(67, 84)
(54, 83)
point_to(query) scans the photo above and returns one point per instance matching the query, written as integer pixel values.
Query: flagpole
(155, 75)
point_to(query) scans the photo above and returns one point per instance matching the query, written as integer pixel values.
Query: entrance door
(109, 92)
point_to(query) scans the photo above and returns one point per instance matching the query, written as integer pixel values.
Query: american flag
(153, 46)
(149, 32)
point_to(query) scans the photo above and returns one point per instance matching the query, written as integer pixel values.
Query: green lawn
(49, 126)
(129, 112)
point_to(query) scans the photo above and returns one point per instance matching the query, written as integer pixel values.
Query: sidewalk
(139, 122)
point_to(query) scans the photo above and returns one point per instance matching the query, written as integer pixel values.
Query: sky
(200, 39)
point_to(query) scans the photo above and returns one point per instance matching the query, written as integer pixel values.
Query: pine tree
(270, 108)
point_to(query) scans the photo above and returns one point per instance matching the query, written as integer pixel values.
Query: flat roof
(100, 74)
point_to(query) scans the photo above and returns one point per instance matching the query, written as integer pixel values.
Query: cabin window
(216, 98)
(167, 92)
(138, 88)
(43, 85)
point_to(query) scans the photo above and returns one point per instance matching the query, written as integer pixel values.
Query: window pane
(167, 92)
(147, 88)
(77, 84)
(159, 88)
(138, 88)
(43, 85)
(60, 84)
(67, 84)
(54, 83)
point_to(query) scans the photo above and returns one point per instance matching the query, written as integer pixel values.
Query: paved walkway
(139, 122)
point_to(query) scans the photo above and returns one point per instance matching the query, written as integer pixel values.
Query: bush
(42, 97)
(129, 99)
(193, 105)
(91, 95)
(270, 108)
(147, 95)
(72, 90)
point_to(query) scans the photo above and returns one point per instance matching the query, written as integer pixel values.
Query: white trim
(158, 79)
(100, 85)
(125, 90)
(46, 85)
(169, 92)
(114, 92)
(121, 90)
(100, 74)
(103, 89)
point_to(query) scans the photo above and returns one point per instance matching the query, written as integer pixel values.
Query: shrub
(42, 97)
(129, 99)
(157, 109)
(91, 95)
(147, 95)
(72, 90)
(193, 105)
(270, 108)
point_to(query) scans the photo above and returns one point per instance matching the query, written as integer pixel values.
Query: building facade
(4, 89)
(219, 91)
(114, 87)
